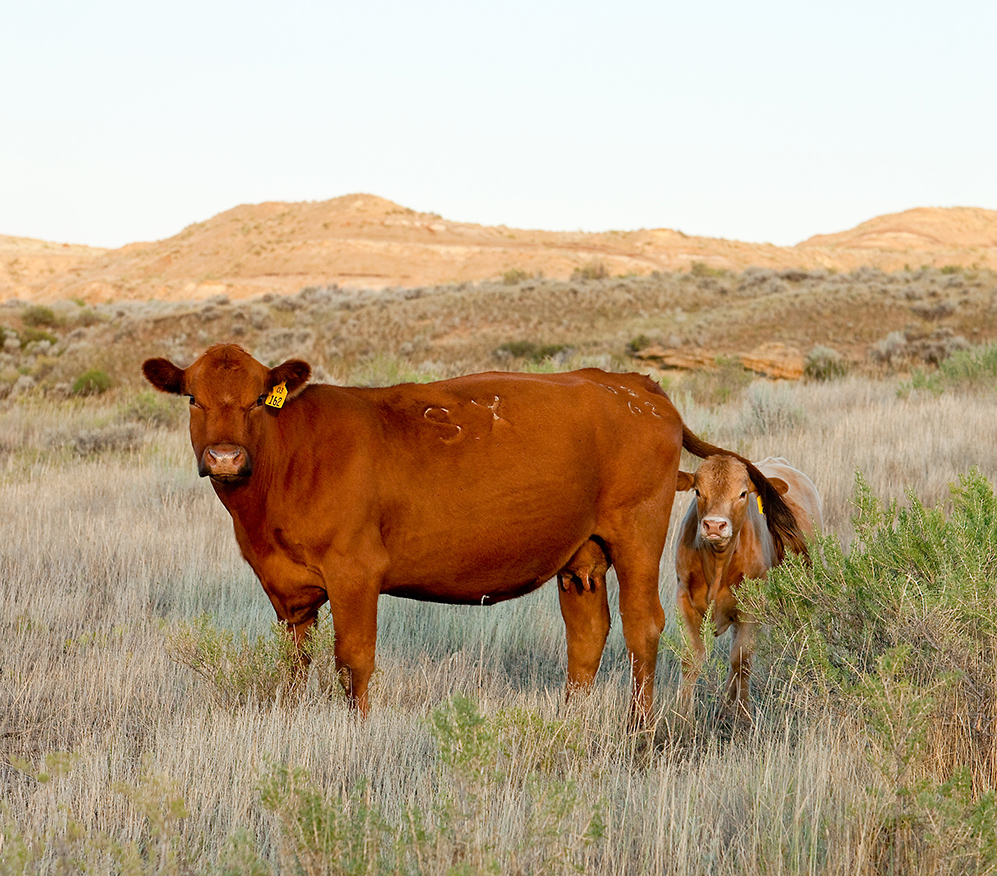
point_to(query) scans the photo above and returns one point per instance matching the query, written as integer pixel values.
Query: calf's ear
(293, 374)
(164, 375)
(778, 484)
(685, 482)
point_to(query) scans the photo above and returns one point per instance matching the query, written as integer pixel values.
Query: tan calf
(724, 539)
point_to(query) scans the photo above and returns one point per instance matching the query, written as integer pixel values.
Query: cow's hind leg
(643, 620)
(586, 624)
(354, 619)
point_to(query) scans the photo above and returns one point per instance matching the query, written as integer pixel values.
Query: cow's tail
(780, 518)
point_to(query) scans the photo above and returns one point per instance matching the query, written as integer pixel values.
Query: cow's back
(802, 496)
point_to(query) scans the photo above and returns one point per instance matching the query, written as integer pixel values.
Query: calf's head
(724, 493)
(228, 390)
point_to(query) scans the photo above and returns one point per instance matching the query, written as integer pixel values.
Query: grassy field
(145, 730)
(121, 759)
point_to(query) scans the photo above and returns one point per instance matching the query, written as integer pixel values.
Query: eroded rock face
(774, 360)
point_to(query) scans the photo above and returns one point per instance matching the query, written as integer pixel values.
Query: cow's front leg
(741, 648)
(296, 595)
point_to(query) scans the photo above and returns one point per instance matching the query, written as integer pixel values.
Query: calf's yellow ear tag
(277, 395)
(760, 505)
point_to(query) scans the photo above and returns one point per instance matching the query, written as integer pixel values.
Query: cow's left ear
(293, 374)
(164, 375)
(685, 482)
(779, 485)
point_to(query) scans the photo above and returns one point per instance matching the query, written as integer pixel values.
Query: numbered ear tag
(760, 505)
(277, 396)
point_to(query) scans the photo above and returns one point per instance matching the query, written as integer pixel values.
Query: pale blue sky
(765, 121)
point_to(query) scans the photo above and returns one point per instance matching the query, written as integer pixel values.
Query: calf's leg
(693, 655)
(741, 648)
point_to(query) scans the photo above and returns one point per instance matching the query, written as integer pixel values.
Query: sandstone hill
(369, 242)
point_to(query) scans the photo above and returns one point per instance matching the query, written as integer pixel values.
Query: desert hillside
(369, 242)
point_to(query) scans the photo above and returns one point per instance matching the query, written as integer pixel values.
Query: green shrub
(701, 269)
(900, 634)
(972, 369)
(29, 334)
(976, 366)
(824, 363)
(593, 270)
(238, 670)
(38, 314)
(529, 351)
(514, 276)
(92, 382)
(154, 409)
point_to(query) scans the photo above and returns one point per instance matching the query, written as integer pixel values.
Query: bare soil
(363, 241)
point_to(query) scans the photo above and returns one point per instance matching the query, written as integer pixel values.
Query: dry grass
(106, 552)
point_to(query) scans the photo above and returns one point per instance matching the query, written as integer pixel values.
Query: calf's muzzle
(225, 462)
(716, 528)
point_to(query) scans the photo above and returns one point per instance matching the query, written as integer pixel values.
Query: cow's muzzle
(225, 462)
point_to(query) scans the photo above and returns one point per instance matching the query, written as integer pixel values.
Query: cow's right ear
(685, 482)
(293, 374)
(164, 375)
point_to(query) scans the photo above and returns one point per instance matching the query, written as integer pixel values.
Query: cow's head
(724, 496)
(228, 390)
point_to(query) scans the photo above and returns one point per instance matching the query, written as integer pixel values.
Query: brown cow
(471, 490)
(723, 540)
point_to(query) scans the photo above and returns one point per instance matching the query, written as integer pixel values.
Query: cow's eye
(261, 399)
(192, 401)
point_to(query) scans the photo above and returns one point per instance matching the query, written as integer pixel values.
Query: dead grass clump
(901, 349)
(769, 409)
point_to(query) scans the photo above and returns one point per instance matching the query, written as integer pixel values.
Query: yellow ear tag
(760, 505)
(277, 395)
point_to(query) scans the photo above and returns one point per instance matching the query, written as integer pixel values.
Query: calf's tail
(780, 518)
